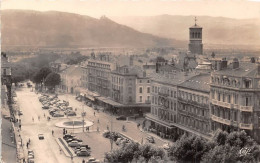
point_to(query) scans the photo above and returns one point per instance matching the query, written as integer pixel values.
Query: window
(130, 98)
(148, 81)
(148, 89)
(4, 71)
(140, 81)
(174, 94)
(141, 99)
(247, 84)
(153, 89)
(247, 101)
(140, 90)
(148, 98)
(218, 96)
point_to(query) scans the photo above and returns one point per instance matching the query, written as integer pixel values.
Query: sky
(239, 9)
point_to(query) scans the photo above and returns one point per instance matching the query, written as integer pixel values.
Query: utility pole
(111, 138)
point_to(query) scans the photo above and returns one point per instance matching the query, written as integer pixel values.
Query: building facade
(193, 105)
(99, 74)
(235, 98)
(6, 77)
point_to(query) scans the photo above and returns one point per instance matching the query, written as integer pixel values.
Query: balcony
(246, 108)
(220, 103)
(147, 101)
(246, 126)
(220, 120)
(163, 94)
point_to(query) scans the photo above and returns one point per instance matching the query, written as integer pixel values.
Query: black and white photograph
(130, 81)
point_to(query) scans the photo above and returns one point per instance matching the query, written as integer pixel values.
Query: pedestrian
(97, 129)
(83, 161)
(66, 131)
(39, 117)
(27, 144)
(52, 132)
(94, 113)
(20, 126)
(44, 115)
(29, 141)
(98, 121)
(60, 151)
(107, 127)
(32, 119)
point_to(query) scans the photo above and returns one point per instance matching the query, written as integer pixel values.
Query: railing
(246, 126)
(220, 103)
(246, 108)
(221, 120)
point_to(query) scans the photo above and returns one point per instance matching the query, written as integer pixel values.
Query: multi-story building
(193, 105)
(99, 74)
(71, 79)
(130, 88)
(235, 97)
(6, 77)
(163, 116)
(143, 89)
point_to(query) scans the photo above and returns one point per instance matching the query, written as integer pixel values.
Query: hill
(217, 31)
(61, 29)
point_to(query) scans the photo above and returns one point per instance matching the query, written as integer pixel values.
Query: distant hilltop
(217, 31)
(61, 29)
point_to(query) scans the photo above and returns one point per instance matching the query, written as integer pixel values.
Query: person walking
(83, 161)
(32, 119)
(39, 117)
(98, 121)
(52, 132)
(27, 145)
(44, 115)
(94, 113)
(60, 151)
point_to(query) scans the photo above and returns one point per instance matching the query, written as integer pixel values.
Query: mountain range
(61, 29)
(216, 30)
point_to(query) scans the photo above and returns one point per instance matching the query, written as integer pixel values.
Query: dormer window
(247, 83)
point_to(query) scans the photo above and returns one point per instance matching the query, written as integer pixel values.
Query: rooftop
(199, 82)
(245, 70)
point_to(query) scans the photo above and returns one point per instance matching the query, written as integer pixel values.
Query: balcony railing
(246, 126)
(246, 108)
(221, 120)
(220, 103)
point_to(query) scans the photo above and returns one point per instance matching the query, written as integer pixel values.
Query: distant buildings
(6, 80)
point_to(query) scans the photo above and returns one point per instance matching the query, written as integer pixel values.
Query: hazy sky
(97, 8)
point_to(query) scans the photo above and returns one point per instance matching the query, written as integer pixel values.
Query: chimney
(258, 68)
(223, 63)
(131, 61)
(235, 63)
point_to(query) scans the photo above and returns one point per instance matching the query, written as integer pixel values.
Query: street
(47, 150)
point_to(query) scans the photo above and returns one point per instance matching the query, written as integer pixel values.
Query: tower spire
(195, 21)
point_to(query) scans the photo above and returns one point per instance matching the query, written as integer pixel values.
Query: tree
(189, 149)
(134, 151)
(233, 147)
(52, 80)
(252, 60)
(213, 55)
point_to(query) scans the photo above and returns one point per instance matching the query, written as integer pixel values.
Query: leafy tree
(189, 149)
(213, 55)
(52, 80)
(252, 60)
(233, 147)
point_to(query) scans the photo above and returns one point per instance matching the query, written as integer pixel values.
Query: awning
(109, 101)
(155, 119)
(89, 97)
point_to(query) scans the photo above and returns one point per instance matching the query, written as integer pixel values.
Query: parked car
(93, 160)
(73, 143)
(58, 115)
(45, 107)
(121, 117)
(71, 113)
(150, 139)
(40, 136)
(166, 146)
(67, 136)
(83, 153)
